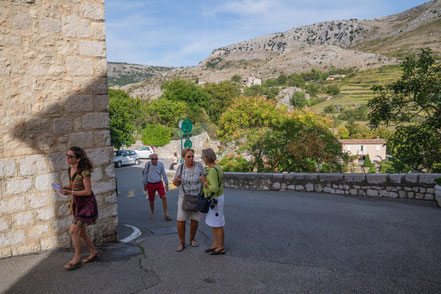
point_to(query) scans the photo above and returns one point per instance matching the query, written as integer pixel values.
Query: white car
(145, 151)
(124, 157)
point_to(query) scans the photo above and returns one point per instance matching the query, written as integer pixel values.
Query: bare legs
(152, 208)
(89, 244)
(181, 230)
(164, 204)
(218, 238)
(78, 233)
(75, 234)
(193, 229)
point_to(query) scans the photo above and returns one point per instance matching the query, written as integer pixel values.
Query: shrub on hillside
(333, 90)
(156, 135)
(299, 100)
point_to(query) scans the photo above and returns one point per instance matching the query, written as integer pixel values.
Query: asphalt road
(276, 242)
(362, 242)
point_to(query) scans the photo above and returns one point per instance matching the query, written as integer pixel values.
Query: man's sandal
(180, 247)
(194, 243)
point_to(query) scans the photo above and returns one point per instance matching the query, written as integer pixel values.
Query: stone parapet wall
(53, 95)
(410, 186)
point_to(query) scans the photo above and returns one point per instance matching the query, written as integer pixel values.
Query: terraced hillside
(356, 88)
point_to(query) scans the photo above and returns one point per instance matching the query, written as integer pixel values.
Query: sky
(184, 32)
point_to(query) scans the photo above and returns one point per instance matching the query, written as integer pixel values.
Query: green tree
(122, 114)
(299, 100)
(295, 80)
(333, 90)
(330, 109)
(367, 161)
(221, 95)
(282, 79)
(372, 169)
(156, 135)
(279, 140)
(312, 89)
(236, 78)
(413, 104)
(194, 96)
(342, 132)
(166, 112)
(270, 92)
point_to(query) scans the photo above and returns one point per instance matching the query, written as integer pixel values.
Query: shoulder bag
(190, 201)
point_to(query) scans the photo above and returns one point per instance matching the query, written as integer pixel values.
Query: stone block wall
(412, 186)
(53, 95)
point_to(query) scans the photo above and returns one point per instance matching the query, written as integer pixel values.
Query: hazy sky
(184, 32)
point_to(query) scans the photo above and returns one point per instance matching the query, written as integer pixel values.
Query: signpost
(185, 126)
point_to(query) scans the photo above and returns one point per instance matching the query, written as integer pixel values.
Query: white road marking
(136, 233)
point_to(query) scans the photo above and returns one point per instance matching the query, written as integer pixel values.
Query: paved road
(286, 242)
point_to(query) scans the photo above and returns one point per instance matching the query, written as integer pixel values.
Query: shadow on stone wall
(81, 119)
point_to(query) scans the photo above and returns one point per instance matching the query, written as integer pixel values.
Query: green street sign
(187, 143)
(186, 126)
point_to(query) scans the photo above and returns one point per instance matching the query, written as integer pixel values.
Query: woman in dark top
(83, 204)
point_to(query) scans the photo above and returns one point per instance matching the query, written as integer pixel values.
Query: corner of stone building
(54, 95)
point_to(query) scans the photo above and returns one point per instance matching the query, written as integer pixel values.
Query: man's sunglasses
(154, 159)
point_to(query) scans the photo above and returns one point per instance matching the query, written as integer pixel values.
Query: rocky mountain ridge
(321, 45)
(121, 73)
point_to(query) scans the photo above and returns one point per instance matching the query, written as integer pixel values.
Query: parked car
(124, 157)
(145, 151)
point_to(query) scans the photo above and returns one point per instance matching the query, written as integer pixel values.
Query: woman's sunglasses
(70, 156)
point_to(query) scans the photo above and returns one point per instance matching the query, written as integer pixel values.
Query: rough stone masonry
(53, 86)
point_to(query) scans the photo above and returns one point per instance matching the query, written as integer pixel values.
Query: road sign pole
(182, 159)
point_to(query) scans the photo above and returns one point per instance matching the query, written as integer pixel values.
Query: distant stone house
(251, 81)
(333, 77)
(375, 148)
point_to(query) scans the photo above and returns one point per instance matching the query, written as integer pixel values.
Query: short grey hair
(209, 155)
(151, 155)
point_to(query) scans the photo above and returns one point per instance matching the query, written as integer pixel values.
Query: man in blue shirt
(153, 174)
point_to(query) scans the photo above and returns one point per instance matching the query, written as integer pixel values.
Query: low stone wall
(412, 186)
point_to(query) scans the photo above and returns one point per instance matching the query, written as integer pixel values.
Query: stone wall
(53, 95)
(413, 186)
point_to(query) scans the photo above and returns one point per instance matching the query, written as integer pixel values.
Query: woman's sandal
(70, 266)
(214, 252)
(90, 259)
(194, 243)
(180, 247)
(208, 250)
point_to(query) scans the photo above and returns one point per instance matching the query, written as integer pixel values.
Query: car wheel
(136, 162)
(119, 164)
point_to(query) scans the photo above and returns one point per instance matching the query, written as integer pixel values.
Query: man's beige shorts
(186, 215)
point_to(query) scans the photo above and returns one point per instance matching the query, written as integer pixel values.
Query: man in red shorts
(153, 173)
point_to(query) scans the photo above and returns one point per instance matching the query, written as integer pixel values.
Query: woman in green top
(213, 188)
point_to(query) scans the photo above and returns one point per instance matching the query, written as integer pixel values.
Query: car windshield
(118, 153)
